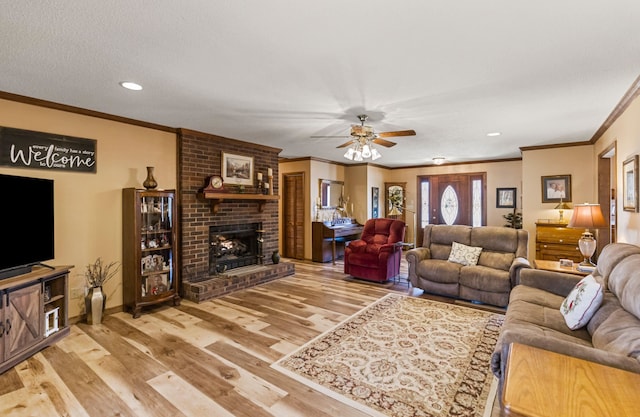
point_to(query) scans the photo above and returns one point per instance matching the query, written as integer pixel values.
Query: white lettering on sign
(52, 156)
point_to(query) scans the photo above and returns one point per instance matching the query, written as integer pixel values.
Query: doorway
(452, 199)
(293, 215)
(607, 180)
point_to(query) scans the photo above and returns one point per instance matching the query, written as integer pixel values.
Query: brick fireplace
(199, 157)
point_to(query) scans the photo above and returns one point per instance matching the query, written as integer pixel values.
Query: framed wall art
(375, 198)
(506, 197)
(237, 169)
(556, 188)
(630, 184)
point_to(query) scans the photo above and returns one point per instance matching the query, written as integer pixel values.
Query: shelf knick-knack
(275, 257)
(150, 183)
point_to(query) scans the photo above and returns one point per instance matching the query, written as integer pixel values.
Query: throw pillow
(463, 254)
(582, 302)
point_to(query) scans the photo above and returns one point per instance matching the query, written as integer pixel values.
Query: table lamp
(588, 216)
(395, 212)
(561, 207)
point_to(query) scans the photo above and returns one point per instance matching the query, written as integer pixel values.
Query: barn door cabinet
(149, 230)
(33, 313)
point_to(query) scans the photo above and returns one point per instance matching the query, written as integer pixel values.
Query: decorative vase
(95, 302)
(150, 183)
(275, 257)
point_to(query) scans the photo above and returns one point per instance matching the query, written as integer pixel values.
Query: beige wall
(88, 212)
(499, 175)
(577, 161)
(625, 133)
(359, 179)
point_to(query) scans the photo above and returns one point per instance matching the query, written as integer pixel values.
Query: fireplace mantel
(216, 198)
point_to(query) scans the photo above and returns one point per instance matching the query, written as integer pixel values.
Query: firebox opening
(233, 246)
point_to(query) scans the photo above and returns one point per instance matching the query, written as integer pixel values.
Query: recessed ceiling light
(494, 134)
(130, 85)
(438, 160)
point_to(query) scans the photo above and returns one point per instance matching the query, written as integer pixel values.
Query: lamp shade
(395, 211)
(588, 216)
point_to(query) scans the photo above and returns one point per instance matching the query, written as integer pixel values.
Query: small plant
(98, 272)
(514, 220)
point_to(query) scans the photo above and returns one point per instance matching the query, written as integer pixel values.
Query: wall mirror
(395, 197)
(331, 193)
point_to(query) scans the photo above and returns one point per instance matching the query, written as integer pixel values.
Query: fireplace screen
(233, 246)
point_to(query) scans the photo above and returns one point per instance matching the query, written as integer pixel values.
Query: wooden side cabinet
(33, 313)
(555, 241)
(150, 256)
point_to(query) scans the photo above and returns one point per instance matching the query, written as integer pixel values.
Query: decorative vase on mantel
(95, 302)
(150, 182)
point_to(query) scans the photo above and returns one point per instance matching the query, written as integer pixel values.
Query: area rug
(404, 356)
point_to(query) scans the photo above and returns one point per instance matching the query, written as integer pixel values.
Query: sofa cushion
(610, 258)
(618, 332)
(446, 235)
(499, 239)
(497, 260)
(582, 302)
(439, 270)
(624, 283)
(485, 278)
(539, 311)
(463, 254)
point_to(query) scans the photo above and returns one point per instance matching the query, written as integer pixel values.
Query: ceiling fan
(361, 135)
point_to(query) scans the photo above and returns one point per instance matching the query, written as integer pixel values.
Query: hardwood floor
(207, 359)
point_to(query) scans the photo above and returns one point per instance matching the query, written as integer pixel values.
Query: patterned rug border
(488, 407)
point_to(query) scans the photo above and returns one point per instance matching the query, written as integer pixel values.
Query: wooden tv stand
(33, 313)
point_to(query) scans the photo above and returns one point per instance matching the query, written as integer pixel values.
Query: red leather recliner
(376, 255)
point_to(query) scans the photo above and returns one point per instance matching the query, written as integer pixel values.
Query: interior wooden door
(293, 216)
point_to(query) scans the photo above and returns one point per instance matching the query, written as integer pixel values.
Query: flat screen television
(27, 211)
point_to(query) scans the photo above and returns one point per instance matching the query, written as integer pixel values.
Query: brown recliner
(376, 255)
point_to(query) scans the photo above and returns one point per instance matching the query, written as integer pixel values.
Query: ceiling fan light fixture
(358, 156)
(349, 153)
(375, 154)
(366, 151)
(361, 131)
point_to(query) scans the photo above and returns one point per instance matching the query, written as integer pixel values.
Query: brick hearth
(234, 280)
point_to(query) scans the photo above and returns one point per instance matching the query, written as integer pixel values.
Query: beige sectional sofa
(611, 336)
(503, 255)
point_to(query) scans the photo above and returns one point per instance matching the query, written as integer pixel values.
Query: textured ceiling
(280, 71)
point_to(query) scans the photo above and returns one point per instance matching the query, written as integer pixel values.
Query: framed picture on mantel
(237, 169)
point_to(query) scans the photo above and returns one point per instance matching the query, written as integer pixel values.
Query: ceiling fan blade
(383, 142)
(346, 144)
(324, 137)
(397, 133)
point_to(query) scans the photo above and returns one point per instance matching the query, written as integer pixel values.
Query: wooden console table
(555, 267)
(541, 383)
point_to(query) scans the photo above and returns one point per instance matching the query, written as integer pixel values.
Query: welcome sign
(28, 149)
